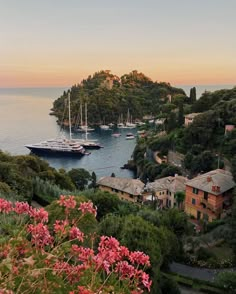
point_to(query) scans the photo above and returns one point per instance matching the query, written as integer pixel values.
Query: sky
(60, 42)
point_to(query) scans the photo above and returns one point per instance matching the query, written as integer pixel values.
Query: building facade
(188, 118)
(164, 190)
(124, 188)
(209, 196)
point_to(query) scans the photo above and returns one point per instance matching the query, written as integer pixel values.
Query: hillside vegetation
(110, 97)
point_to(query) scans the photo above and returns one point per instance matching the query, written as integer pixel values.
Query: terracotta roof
(173, 184)
(215, 182)
(192, 115)
(130, 186)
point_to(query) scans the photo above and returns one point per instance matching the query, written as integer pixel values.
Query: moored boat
(59, 146)
(116, 135)
(129, 136)
(104, 127)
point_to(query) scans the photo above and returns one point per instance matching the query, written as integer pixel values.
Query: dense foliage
(28, 176)
(205, 143)
(109, 97)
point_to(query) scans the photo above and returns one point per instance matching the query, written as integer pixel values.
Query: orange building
(209, 196)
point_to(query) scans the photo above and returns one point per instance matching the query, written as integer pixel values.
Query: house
(209, 195)
(160, 121)
(229, 128)
(159, 158)
(125, 188)
(188, 118)
(164, 190)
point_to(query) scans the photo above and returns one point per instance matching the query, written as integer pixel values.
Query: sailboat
(59, 146)
(129, 123)
(88, 144)
(83, 127)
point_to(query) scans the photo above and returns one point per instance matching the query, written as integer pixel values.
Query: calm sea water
(25, 119)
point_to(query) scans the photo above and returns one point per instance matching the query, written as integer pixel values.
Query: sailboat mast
(81, 114)
(86, 122)
(69, 114)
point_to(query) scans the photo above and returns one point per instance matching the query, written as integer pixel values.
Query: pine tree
(193, 95)
(181, 115)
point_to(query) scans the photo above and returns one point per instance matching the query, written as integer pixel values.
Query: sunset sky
(59, 42)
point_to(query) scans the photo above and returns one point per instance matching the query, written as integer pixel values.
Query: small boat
(104, 127)
(120, 125)
(116, 135)
(83, 129)
(129, 136)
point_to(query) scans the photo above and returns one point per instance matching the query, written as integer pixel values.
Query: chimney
(209, 179)
(217, 189)
(214, 188)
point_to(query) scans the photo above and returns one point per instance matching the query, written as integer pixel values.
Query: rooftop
(130, 186)
(173, 184)
(215, 182)
(192, 115)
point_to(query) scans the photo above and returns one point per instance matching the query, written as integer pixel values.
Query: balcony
(209, 206)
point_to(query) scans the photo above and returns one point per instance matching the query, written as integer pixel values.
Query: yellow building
(164, 190)
(125, 188)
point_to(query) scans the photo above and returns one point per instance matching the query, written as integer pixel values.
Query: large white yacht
(59, 146)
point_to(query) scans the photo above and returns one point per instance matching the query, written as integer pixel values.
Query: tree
(227, 280)
(93, 183)
(80, 177)
(104, 201)
(175, 220)
(180, 196)
(233, 225)
(193, 95)
(181, 115)
(233, 169)
(171, 122)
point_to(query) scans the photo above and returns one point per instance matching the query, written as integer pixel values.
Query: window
(195, 191)
(206, 195)
(193, 201)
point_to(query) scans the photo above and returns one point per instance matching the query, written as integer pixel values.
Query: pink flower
(87, 207)
(83, 290)
(124, 251)
(67, 201)
(5, 206)
(139, 258)
(75, 233)
(5, 291)
(60, 226)
(40, 215)
(146, 281)
(72, 273)
(83, 254)
(21, 207)
(40, 235)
